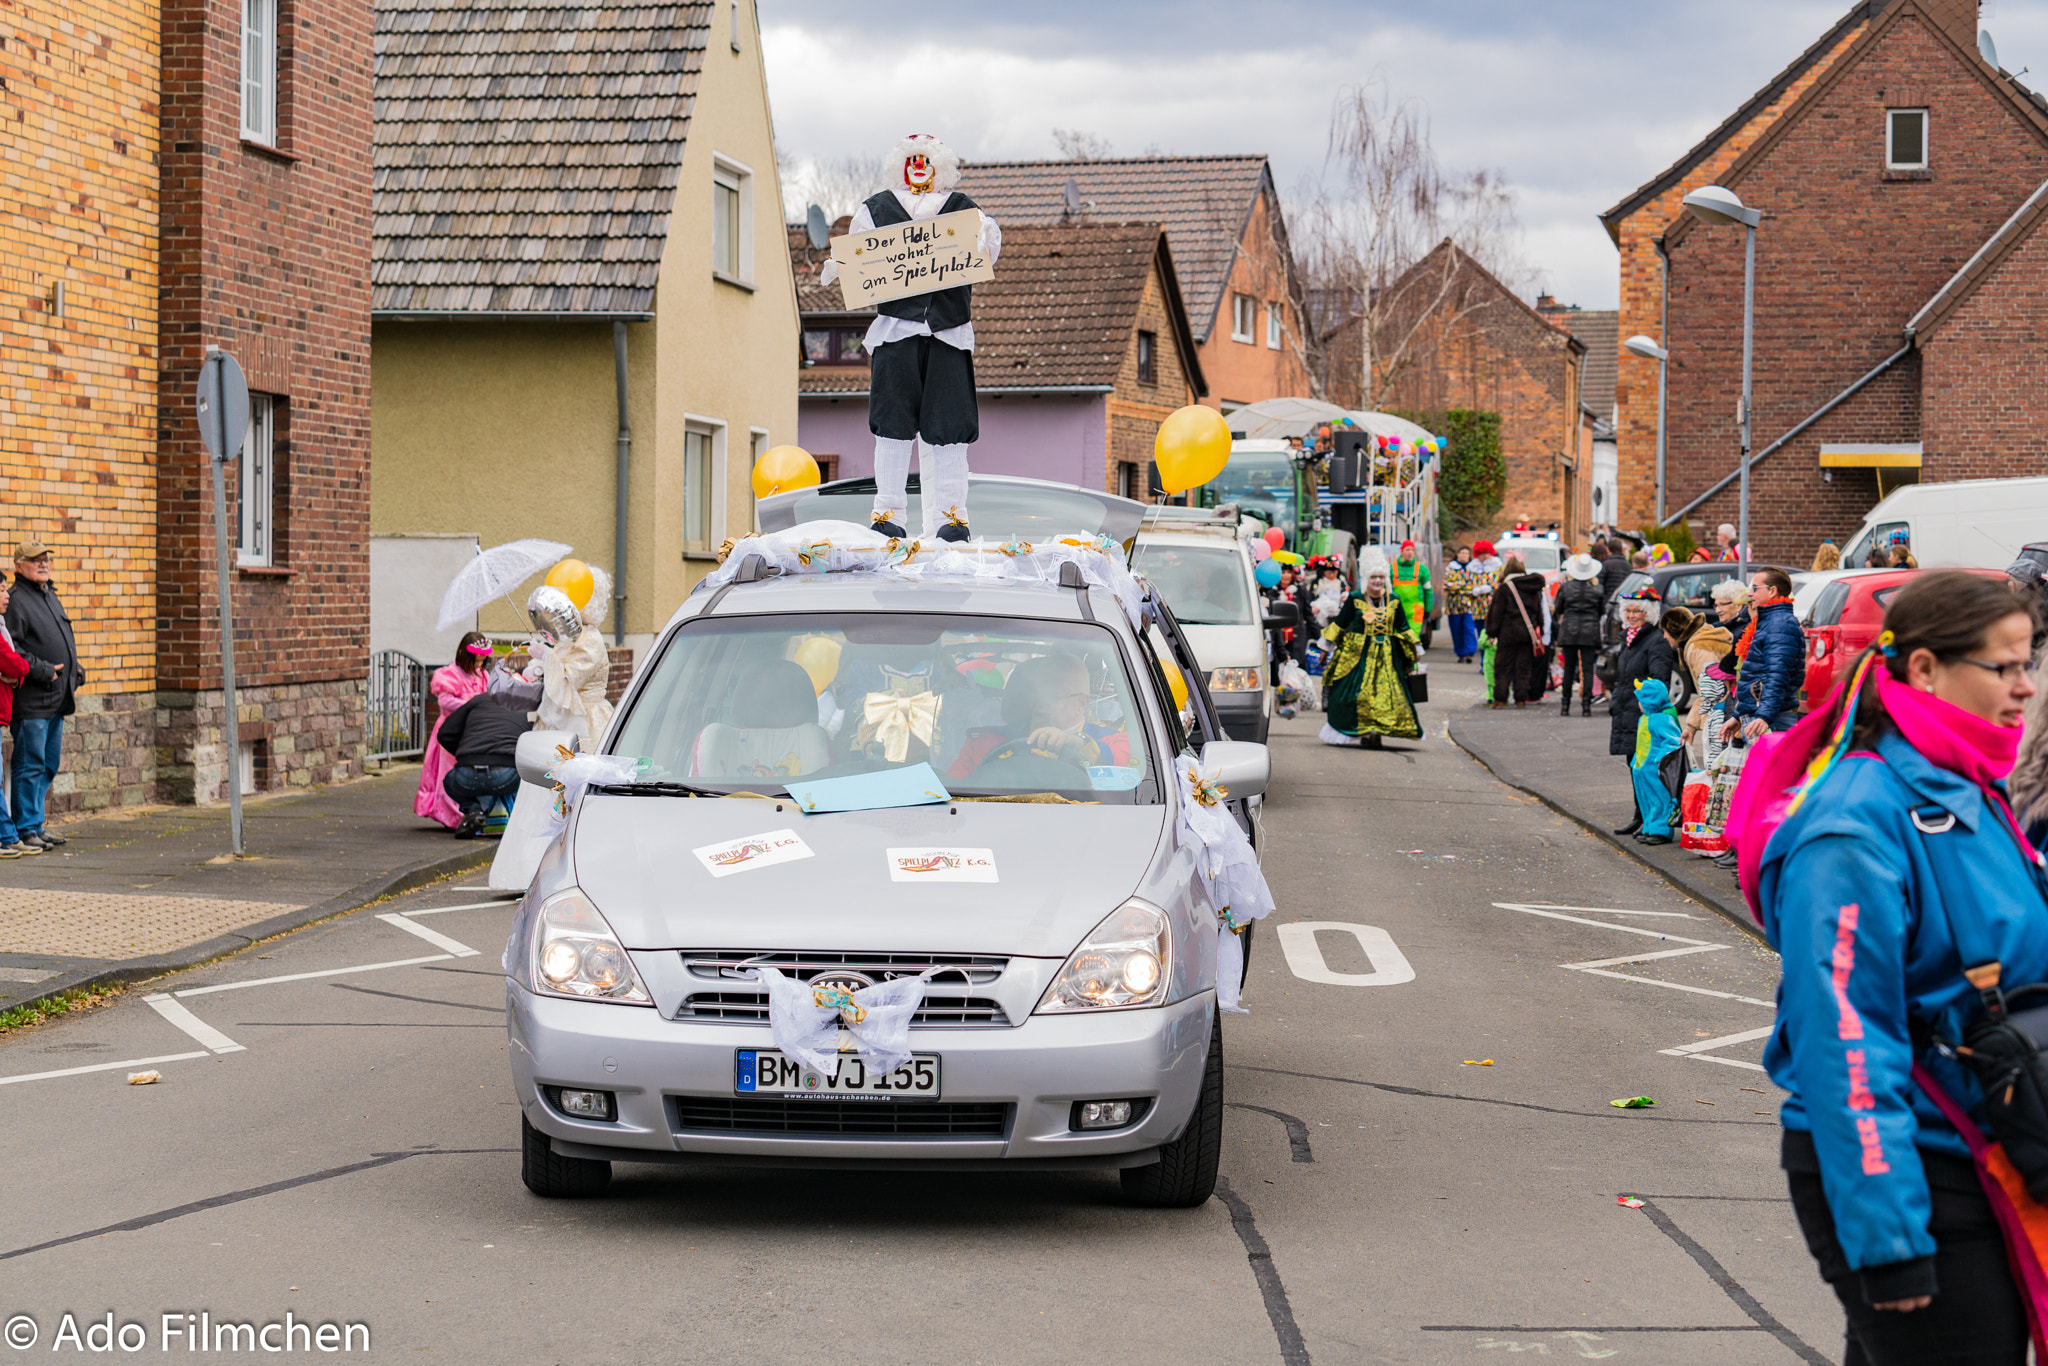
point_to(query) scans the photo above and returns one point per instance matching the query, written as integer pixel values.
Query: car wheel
(548, 1173)
(1185, 1174)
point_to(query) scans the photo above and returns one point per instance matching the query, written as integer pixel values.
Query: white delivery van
(1969, 524)
(1202, 568)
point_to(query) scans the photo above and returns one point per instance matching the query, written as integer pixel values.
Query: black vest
(947, 308)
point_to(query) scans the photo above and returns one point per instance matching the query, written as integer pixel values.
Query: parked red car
(1846, 618)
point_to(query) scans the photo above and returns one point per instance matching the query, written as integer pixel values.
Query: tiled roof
(1204, 202)
(805, 261)
(1601, 332)
(526, 151)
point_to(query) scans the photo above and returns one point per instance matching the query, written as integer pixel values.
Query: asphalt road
(352, 1160)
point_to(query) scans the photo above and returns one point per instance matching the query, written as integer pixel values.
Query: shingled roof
(1205, 203)
(526, 152)
(1600, 330)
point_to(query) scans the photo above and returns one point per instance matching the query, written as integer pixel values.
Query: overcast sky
(1576, 101)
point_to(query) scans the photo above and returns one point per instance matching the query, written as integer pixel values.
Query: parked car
(1540, 554)
(1202, 567)
(1690, 586)
(1847, 614)
(1968, 523)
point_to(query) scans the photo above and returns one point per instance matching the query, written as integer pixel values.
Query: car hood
(1242, 646)
(1058, 870)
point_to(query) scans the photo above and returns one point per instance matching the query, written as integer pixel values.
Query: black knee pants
(1578, 663)
(1977, 1318)
(922, 387)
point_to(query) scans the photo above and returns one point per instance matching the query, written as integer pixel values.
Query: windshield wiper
(664, 789)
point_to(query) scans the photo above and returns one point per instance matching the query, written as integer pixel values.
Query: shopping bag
(1694, 832)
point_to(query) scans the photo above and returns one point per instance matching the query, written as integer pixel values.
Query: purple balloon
(1261, 552)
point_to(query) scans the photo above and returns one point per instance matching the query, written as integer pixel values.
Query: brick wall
(1845, 255)
(78, 148)
(1135, 410)
(1245, 372)
(1983, 390)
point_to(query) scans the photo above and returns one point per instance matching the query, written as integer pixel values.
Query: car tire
(1185, 1174)
(547, 1173)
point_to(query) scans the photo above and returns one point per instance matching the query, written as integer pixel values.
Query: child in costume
(1656, 736)
(922, 348)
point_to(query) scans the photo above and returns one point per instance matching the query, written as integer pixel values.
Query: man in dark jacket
(1645, 653)
(1767, 689)
(41, 631)
(1614, 568)
(483, 735)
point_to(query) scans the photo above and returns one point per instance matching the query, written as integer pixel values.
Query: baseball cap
(30, 549)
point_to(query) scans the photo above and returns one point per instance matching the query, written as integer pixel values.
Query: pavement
(1563, 762)
(136, 894)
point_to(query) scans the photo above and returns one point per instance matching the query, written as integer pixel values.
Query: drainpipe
(625, 464)
(1663, 366)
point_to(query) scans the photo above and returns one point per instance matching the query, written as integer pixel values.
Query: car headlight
(1236, 680)
(576, 954)
(1121, 964)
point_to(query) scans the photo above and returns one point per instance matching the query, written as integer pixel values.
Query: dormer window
(1905, 140)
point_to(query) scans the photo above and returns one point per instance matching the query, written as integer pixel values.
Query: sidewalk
(135, 895)
(1564, 762)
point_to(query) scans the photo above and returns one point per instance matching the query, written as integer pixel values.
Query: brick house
(1637, 225)
(1082, 346)
(1480, 345)
(1229, 240)
(1898, 287)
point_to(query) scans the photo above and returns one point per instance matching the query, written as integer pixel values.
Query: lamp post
(1641, 345)
(1719, 207)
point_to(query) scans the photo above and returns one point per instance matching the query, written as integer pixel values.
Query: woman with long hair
(1514, 622)
(452, 684)
(1875, 838)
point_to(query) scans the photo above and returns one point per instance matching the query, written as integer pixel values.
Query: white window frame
(739, 177)
(714, 493)
(757, 446)
(1891, 161)
(1244, 316)
(735, 25)
(256, 485)
(1273, 327)
(259, 71)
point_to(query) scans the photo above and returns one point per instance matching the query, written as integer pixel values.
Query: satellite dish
(1071, 197)
(819, 231)
(1987, 49)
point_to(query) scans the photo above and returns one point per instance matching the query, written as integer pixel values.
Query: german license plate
(765, 1072)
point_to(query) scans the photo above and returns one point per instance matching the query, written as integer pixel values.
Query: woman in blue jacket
(1899, 833)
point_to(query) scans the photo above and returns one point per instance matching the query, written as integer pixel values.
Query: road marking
(1700, 1050)
(303, 976)
(1599, 910)
(434, 937)
(100, 1067)
(1305, 957)
(184, 1019)
(465, 906)
(1549, 914)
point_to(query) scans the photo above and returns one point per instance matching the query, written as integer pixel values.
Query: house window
(735, 25)
(1148, 358)
(697, 487)
(1243, 315)
(834, 346)
(1905, 140)
(1127, 481)
(732, 212)
(256, 485)
(259, 71)
(1272, 327)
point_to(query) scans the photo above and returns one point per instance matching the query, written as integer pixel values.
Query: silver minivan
(1070, 1020)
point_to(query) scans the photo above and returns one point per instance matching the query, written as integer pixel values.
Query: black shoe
(1566, 708)
(471, 824)
(889, 528)
(955, 531)
(1727, 860)
(1630, 828)
(1586, 709)
(1653, 839)
(49, 840)
(1372, 742)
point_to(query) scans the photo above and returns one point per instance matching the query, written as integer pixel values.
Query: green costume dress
(1410, 580)
(1365, 686)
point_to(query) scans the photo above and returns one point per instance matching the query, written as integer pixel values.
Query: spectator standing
(1461, 595)
(1699, 647)
(1829, 556)
(14, 671)
(1645, 653)
(1773, 662)
(1512, 621)
(1724, 535)
(1613, 568)
(41, 631)
(1577, 611)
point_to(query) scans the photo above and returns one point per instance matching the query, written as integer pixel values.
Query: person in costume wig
(1365, 686)
(922, 348)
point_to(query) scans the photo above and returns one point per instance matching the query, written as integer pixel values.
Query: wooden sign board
(905, 259)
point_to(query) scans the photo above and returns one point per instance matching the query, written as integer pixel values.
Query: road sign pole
(224, 551)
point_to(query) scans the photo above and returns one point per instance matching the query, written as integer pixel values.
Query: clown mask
(918, 173)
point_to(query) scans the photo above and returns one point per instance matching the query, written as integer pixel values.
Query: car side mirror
(536, 754)
(1241, 766)
(1282, 614)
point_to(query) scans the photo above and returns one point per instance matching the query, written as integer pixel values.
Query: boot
(1565, 708)
(1586, 707)
(1631, 827)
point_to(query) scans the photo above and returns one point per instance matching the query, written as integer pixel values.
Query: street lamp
(1641, 345)
(1719, 207)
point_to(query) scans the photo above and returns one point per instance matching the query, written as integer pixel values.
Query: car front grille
(840, 1118)
(948, 1000)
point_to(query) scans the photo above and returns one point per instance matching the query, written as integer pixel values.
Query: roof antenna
(817, 229)
(1987, 49)
(1070, 198)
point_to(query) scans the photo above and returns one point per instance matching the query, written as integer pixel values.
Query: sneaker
(1726, 860)
(39, 841)
(49, 839)
(471, 823)
(19, 848)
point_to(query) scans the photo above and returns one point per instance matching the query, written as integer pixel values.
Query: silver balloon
(554, 615)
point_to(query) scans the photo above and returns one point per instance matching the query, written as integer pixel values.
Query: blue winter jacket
(1775, 666)
(1859, 892)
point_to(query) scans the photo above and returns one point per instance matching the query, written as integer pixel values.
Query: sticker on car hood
(942, 865)
(753, 851)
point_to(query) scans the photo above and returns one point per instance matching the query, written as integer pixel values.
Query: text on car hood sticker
(752, 851)
(942, 865)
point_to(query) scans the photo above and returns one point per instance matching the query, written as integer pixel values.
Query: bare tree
(835, 184)
(1384, 249)
(1076, 145)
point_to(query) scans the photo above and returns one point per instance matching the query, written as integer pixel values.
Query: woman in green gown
(1365, 686)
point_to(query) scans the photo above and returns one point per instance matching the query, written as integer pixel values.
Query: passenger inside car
(774, 731)
(1046, 713)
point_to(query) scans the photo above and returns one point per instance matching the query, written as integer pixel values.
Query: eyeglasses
(2006, 672)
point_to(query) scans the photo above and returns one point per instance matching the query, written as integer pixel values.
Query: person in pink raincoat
(453, 684)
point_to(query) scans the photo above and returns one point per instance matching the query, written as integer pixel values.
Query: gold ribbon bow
(1206, 791)
(832, 998)
(894, 720)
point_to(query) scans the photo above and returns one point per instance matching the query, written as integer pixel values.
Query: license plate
(765, 1072)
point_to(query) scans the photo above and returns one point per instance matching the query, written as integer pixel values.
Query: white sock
(892, 472)
(944, 481)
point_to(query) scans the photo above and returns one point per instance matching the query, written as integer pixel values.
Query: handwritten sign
(904, 259)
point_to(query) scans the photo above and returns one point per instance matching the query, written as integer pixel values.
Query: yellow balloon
(1175, 682)
(782, 468)
(819, 656)
(1191, 448)
(574, 578)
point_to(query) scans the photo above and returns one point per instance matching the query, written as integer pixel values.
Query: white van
(1202, 567)
(1969, 524)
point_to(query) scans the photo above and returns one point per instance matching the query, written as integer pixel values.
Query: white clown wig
(1372, 560)
(945, 161)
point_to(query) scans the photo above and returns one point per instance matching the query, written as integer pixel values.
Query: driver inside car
(1046, 712)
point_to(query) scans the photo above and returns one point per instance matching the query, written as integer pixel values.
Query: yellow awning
(1871, 455)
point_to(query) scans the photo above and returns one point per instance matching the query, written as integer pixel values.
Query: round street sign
(224, 424)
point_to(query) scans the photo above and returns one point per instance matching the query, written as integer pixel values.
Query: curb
(1700, 890)
(406, 879)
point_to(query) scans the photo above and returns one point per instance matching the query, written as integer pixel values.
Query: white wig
(945, 161)
(1372, 560)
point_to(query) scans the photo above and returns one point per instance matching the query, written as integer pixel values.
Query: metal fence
(396, 719)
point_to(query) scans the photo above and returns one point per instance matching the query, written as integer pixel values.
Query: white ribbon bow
(807, 1020)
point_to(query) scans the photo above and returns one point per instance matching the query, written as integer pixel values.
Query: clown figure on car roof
(922, 353)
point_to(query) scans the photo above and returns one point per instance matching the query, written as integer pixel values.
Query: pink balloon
(1275, 538)
(1260, 551)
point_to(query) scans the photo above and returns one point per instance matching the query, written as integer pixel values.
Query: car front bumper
(1037, 1070)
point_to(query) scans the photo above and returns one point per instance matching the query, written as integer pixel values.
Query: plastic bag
(1695, 832)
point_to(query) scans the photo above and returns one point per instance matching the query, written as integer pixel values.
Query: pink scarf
(1965, 744)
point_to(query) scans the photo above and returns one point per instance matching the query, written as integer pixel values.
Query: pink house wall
(1039, 436)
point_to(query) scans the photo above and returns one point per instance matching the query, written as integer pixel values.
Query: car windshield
(1539, 559)
(995, 706)
(1203, 585)
(1260, 482)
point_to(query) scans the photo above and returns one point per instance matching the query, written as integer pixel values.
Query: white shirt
(886, 329)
